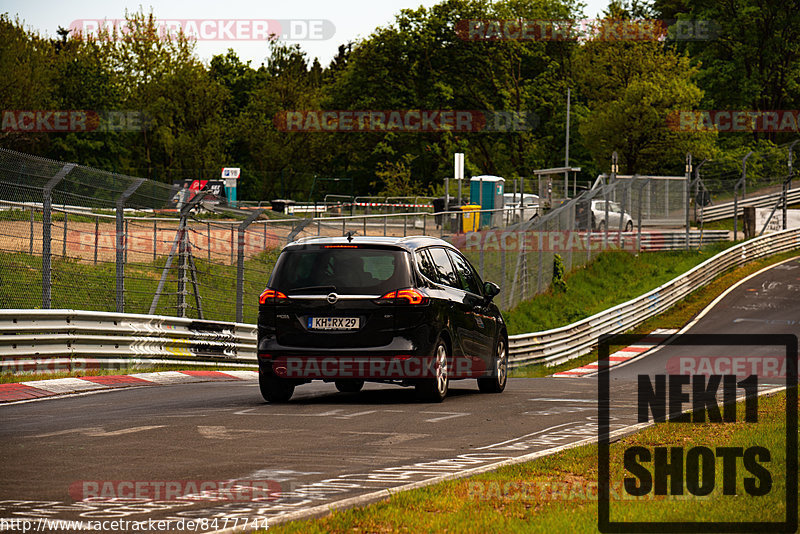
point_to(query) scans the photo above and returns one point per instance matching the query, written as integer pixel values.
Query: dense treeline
(202, 116)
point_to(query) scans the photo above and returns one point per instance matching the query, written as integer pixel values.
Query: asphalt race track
(80, 457)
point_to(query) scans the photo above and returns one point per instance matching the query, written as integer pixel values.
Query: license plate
(333, 323)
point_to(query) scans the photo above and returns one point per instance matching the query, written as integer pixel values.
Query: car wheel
(601, 227)
(349, 386)
(629, 226)
(435, 389)
(497, 382)
(273, 388)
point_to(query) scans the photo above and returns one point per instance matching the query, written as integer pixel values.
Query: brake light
(340, 246)
(270, 295)
(410, 296)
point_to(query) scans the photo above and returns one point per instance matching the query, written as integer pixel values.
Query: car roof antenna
(350, 236)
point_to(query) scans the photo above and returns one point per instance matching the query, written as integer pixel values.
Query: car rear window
(359, 270)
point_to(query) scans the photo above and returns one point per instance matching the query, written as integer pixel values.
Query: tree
(752, 59)
(26, 62)
(631, 87)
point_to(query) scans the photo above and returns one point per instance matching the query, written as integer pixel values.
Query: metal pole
(31, 236)
(182, 268)
(64, 242)
(155, 239)
(240, 266)
(47, 221)
(736, 196)
(686, 195)
(788, 182)
(120, 242)
(96, 237)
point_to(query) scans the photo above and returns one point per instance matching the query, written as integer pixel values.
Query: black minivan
(410, 311)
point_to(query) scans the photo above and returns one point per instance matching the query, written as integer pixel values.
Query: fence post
(736, 196)
(240, 266)
(639, 217)
(121, 242)
(64, 242)
(96, 237)
(686, 195)
(182, 268)
(787, 183)
(31, 235)
(47, 221)
(155, 240)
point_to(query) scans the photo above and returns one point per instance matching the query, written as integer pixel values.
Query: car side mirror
(490, 290)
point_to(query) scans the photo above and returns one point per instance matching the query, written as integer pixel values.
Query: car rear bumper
(398, 367)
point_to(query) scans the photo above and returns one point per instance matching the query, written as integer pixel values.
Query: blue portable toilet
(487, 191)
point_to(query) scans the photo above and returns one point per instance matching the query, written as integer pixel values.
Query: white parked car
(615, 212)
(530, 206)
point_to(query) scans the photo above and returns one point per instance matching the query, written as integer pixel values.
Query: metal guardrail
(27, 336)
(559, 345)
(725, 211)
(676, 239)
(37, 334)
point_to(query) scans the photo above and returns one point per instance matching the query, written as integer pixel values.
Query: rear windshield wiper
(313, 288)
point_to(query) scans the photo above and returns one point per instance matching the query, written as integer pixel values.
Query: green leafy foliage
(202, 116)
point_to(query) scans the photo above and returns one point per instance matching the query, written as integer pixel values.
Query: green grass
(558, 493)
(675, 317)
(610, 279)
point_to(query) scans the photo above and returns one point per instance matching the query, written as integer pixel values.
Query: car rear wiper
(314, 288)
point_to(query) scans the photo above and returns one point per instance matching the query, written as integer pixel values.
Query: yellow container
(471, 218)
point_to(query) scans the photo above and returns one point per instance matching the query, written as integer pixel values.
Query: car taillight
(405, 296)
(271, 296)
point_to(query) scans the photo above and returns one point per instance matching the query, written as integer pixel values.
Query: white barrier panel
(776, 221)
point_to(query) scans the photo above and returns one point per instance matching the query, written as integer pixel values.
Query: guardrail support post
(122, 242)
(47, 221)
(240, 266)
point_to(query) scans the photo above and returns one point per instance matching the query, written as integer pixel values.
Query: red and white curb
(653, 339)
(62, 386)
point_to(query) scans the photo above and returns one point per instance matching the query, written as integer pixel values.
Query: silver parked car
(530, 207)
(615, 213)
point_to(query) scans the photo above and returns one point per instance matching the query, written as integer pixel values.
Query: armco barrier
(53, 334)
(725, 211)
(559, 345)
(44, 336)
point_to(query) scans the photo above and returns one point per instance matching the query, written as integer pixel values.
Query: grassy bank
(611, 279)
(675, 317)
(558, 493)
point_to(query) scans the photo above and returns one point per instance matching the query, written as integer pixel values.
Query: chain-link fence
(81, 238)
(741, 174)
(521, 257)
(76, 237)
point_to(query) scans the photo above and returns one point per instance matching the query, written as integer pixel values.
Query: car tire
(629, 226)
(274, 389)
(601, 227)
(349, 386)
(497, 382)
(435, 389)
